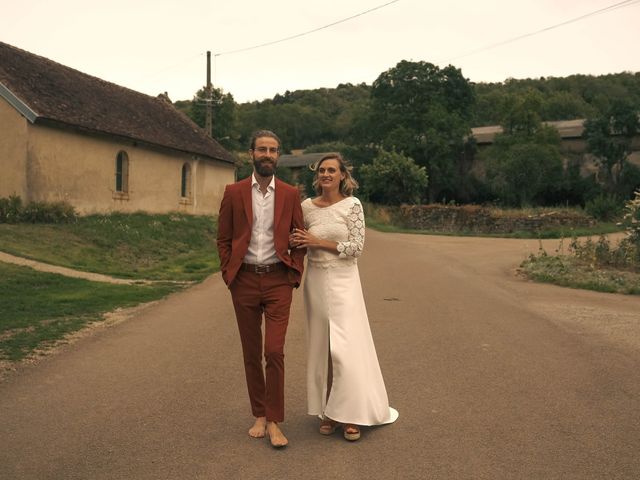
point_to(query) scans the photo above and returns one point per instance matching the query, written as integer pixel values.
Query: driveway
(494, 377)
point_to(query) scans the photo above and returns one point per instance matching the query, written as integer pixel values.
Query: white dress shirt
(262, 250)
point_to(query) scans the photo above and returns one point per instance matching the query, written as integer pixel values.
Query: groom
(256, 216)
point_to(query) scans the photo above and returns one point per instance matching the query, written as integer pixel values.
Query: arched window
(185, 185)
(122, 172)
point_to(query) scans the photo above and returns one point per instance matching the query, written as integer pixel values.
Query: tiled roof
(48, 92)
(300, 160)
(566, 129)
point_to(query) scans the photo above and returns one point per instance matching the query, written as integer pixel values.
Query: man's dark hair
(263, 133)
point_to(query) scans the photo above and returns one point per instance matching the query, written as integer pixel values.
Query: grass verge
(138, 246)
(38, 309)
(568, 271)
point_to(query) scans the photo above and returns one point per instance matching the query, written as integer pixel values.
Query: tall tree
(609, 138)
(224, 116)
(296, 124)
(524, 163)
(522, 168)
(423, 111)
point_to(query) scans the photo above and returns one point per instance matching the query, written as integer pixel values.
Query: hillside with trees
(425, 114)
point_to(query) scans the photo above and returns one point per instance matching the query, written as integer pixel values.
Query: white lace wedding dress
(337, 322)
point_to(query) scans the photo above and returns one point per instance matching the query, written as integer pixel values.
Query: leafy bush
(626, 254)
(632, 217)
(523, 169)
(13, 211)
(10, 209)
(604, 207)
(393, 179)
(632, 221)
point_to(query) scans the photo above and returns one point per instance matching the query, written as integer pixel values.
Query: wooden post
(209, 100)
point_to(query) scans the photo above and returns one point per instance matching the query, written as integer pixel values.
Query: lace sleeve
(355, 225)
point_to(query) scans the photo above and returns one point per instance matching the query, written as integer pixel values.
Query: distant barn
(66, 135)
(298, 161)
(572, 144)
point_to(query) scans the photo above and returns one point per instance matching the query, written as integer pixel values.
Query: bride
(344, 383)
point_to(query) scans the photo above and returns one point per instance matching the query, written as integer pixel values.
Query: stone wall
(477, 219)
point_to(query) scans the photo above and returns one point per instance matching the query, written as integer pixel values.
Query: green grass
(37, 309)
(137, 246)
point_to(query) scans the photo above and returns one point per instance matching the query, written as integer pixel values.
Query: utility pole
(208, 126)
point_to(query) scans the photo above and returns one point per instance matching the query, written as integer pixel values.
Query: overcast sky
(155, 46)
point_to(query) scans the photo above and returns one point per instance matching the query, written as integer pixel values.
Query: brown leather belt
(260, 269)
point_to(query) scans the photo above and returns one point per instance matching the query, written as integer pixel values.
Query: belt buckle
(262, 269)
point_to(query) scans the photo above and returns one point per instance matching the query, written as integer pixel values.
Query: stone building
(66, 135)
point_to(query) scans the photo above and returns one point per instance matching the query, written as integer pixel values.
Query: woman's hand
(293, 243)
(302, 238)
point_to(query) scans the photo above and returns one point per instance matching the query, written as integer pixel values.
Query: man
(256, 216)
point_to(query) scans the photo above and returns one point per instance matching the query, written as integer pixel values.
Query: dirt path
(495, 377)
(68, 272)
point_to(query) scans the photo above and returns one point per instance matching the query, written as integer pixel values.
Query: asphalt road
(494, 377)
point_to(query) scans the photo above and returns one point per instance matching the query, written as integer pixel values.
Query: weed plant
(595, 265)
(12, 210)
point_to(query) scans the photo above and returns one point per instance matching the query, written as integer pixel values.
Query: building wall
(13, 151)
(81, 169)
(209, 180)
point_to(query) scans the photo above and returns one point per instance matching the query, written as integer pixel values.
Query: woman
(344, 382)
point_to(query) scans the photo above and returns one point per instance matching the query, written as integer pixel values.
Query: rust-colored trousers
(255, 295)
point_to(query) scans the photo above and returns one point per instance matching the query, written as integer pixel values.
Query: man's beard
(265, 168)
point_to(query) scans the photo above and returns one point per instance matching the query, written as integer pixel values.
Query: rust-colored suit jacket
(234, 228)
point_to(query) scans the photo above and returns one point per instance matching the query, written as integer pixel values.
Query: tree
(424, 112)
(524, 164)
(296, 124)
(523, 172)
(356, 155)
(224, 121)
(609, 137)
(562, 105)
(306, 117)
(575, 96)
(393, 179)
(520, 113)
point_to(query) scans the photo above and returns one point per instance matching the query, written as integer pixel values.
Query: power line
(615, 6)
(229, 52)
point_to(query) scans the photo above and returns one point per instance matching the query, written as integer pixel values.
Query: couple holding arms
(263, 235)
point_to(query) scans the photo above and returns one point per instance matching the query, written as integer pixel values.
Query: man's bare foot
(276, 437)
(258, 429)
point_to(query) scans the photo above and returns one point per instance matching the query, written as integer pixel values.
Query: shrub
(626, 254)
(12, 211)
(393, 179)
(604, 207)
(631, 244)
(632, 218)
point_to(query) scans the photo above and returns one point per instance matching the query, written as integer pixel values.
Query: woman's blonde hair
(347, 185)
